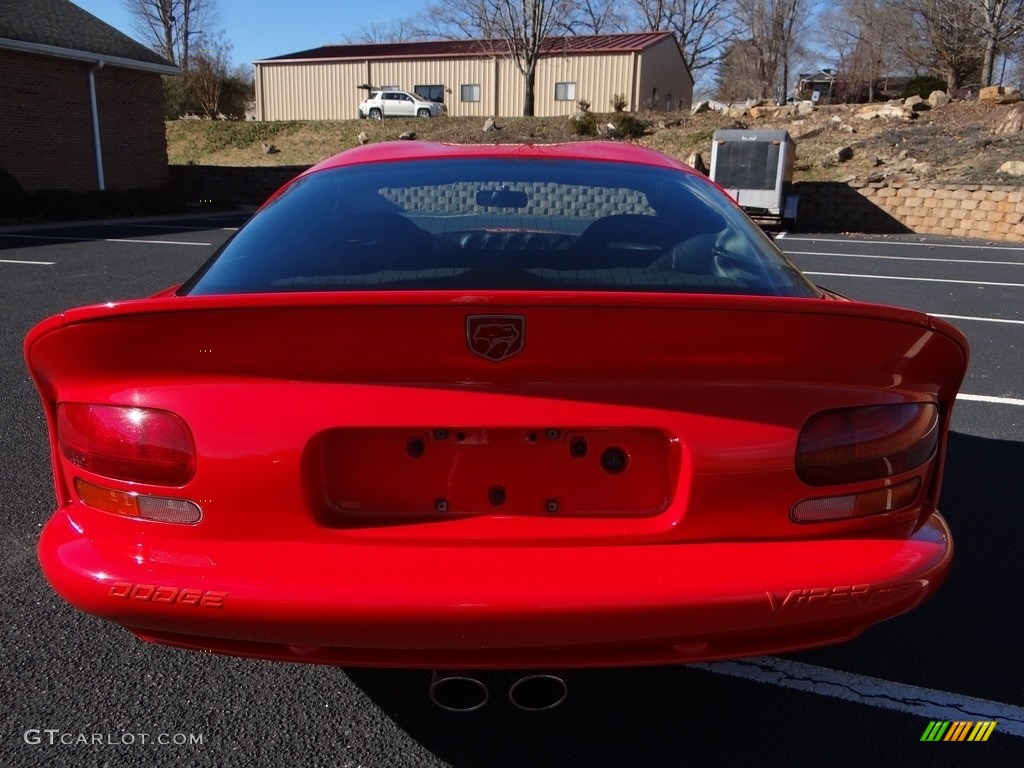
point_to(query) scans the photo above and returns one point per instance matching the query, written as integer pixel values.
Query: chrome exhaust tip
(537, 693)
(458, 691)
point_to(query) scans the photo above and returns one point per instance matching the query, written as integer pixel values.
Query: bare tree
(998, 22)
(1014, 56)
(951, 41)
(860, 33)
(769, 28)
(737, 69)
(521, 27)
(598, 17)
(392, 31)
(702, 28)
(171, 27)
(457, 20)
(209, 68)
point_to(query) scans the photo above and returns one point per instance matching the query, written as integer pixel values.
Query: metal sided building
(477, 78)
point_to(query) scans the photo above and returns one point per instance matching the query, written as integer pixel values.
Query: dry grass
(957, 139)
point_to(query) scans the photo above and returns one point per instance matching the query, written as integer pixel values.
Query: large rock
(998, 94)
(916, 103)
(925, 170)
(770, 111)
(837, 156)
(843, 154)
(938, 99)
(700, 107)
(696, 162)
(885, 112)
(1012, 168)
(810, 133)
(1013, 122)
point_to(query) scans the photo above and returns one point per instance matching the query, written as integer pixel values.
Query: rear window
(500, 224)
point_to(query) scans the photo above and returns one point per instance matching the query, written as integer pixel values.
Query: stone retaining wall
(978, 211)
(229, 185)
(971, 210)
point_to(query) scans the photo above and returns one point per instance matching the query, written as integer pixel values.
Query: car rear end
(372, 101)
(481, 450)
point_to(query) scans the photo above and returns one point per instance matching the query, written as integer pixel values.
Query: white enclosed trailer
(756, 168)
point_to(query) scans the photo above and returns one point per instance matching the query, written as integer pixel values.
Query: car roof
(399, 151)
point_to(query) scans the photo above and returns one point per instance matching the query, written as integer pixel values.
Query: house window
(430, 92)
(469, 92)
(565, 91)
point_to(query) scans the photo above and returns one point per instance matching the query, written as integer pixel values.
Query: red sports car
(497, 407)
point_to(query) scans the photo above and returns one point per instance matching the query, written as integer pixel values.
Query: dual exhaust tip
(468, 691)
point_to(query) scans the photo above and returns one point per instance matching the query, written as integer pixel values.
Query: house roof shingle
(62, 24)
(583, 44)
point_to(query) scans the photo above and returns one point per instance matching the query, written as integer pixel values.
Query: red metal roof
(552, 46)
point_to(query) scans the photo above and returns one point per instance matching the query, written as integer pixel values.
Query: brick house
(81, 104)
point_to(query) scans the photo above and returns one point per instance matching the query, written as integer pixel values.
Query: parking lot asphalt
(67, 678)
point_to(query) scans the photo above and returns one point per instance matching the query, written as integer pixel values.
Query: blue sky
(260, 29)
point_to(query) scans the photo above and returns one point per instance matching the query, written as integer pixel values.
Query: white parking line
(187, 228)
(991, 399)
(978, 319)
(911, 243)
(31, 263)
(151, 242)
(915, 279)
(927, 703)
(101, 239)
(904, 258)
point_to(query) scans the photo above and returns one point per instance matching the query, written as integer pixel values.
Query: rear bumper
(492, 606)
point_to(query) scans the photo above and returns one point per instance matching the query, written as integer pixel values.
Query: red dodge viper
(497, 407)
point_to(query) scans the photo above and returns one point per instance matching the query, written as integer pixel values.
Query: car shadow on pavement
(62, 233)
(655, 715)
(966, 639)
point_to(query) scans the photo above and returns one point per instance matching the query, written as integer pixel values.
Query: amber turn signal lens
(854, 505)
(107, 499)
(137, 505)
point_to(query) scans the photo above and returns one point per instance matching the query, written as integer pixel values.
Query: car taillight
(850, 445)
(141, 445)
